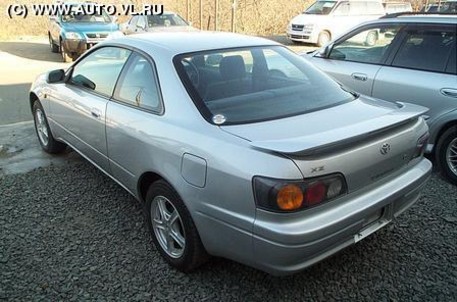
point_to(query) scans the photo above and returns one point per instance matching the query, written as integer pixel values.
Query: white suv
(326, 19)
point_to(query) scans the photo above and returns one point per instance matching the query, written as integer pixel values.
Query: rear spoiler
(343, 137)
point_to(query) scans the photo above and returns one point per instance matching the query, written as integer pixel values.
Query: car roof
(420, 18)
(184, 42)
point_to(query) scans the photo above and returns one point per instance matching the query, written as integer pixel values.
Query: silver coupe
(236, 146)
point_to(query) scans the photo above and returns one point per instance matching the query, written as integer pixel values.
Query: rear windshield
(236, 86)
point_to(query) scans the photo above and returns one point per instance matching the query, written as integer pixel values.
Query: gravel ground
(69, 233)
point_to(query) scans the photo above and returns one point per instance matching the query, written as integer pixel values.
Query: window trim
(117, 99)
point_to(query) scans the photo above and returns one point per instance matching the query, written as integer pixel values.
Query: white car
(168, 21)
(326, 19)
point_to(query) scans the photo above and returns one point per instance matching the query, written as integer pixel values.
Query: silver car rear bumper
(287, 244)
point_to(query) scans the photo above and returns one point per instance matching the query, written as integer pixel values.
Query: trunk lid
(365, 140)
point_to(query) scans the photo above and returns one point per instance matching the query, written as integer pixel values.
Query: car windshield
(77, 17)
(321, 8)
(236, 86)
(166, 20)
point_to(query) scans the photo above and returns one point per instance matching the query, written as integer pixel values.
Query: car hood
(308, 19)
(91, 27)
(312, 132)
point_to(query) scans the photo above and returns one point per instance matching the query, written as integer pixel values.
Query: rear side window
(138, 85)
(427, 49)
(99, 70)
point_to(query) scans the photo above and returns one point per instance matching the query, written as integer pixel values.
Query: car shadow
(14, 103)
(30, 50)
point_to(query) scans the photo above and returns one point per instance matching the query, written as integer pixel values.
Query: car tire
(172, 228)
(323, 38)
(446, 155)
(65, 56)
(54, 46)
(371, 39)
(45, 138)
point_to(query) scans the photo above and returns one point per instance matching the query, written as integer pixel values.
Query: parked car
(397, 7)
(72, 34)
(168, 21)
(413, 60)
(276, 168)
(324, 20)
(449, 6)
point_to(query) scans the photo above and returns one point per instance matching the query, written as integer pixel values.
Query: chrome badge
(385, 148)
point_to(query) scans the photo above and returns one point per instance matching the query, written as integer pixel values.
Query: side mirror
(56, 76)
(324, 52)
(84, 82)
(338, 55)
(389, 35)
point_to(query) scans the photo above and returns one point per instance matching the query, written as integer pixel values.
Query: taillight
(294, 195)
(421, 145)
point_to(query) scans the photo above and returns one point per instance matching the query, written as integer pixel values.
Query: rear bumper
(287, 244)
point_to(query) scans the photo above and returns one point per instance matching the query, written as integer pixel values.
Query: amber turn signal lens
(290, 197)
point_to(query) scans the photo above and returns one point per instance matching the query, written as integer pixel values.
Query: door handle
(95, 112)
(359, 76)
(449, 92)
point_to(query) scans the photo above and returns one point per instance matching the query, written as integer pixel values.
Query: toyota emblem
(385, 148)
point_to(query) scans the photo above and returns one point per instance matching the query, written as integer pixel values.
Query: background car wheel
(446, 155)
(47, 141)
(371, 39)
(172, 229)
(65, 56)
(54, 46)
(323, 38)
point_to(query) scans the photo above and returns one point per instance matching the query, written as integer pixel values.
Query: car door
(355, 59)
(422, 71)
(78, 106)
(133, 120)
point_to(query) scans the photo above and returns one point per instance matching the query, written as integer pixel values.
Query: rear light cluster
(421, 145)
(290, 196)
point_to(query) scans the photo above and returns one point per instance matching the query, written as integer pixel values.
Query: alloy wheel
(168, 227)
(41, 126)
(451, 155)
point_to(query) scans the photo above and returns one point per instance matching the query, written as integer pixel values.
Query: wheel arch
(32, 99)
(446, 126)
(145, 181)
